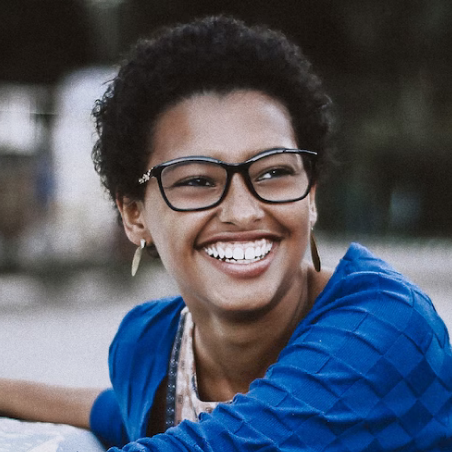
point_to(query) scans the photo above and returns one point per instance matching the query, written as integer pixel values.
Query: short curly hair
(215, 54)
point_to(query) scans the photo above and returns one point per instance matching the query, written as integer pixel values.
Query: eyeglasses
(199, 183)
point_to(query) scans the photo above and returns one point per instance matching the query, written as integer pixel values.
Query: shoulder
(155, 313)
(149, 326)
(365, 284)
(369, 306)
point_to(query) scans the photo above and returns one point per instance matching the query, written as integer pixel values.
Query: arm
(40, 402)
(368, 370)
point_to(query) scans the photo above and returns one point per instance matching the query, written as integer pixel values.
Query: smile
(239, 253)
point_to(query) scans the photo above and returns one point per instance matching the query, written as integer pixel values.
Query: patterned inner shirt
(187, 404)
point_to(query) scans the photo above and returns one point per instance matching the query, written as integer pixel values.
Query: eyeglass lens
(275, 178)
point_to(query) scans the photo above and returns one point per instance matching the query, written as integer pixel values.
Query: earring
(137, 257)
(315, 253)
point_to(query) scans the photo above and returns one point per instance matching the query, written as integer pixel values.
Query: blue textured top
(368, 369)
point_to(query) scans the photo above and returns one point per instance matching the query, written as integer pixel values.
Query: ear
(312, 206)
(132, 213)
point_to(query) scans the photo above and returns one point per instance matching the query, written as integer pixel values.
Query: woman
(213, 137)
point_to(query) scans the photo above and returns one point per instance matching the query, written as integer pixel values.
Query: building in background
(25, 178)
(53, 207)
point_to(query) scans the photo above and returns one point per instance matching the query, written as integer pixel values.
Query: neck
(231, 352)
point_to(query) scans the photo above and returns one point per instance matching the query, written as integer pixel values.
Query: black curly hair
(215, 54)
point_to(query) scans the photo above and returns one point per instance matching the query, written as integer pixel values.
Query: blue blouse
(368, 369)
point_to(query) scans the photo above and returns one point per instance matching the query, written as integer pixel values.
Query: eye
(195, 181)
(273, 173)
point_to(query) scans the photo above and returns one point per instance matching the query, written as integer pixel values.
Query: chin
(244, 308)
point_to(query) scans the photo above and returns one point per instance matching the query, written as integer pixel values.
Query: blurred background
(64, 262)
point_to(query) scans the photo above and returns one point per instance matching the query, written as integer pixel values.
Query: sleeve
(138, 359)
(371, 370)
(106, 420)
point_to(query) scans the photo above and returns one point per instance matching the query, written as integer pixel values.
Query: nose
(240, 207)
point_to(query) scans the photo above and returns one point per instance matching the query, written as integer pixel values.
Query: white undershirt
(188, 404)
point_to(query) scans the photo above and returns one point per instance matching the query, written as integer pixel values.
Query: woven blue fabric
(368, 369)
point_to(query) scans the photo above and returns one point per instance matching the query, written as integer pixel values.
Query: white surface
(16, 436)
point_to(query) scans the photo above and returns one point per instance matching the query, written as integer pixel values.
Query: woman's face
(232, 128)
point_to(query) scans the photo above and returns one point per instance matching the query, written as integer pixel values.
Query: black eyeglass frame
(231, 169)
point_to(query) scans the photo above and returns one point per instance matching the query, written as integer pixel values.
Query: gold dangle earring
(315, 253)
(137, 257)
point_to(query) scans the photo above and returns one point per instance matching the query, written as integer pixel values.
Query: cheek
(156, 220)
(174, 242)
(174, 234)
(298, 217)
(167, 244)
(298, 223)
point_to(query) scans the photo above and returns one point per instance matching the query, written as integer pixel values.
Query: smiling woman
(232, 127)
(212, 140)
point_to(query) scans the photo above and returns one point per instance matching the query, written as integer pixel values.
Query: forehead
(231, 127)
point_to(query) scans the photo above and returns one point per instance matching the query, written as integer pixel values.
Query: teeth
(238, 254)
(241, 253)
(250, 254)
